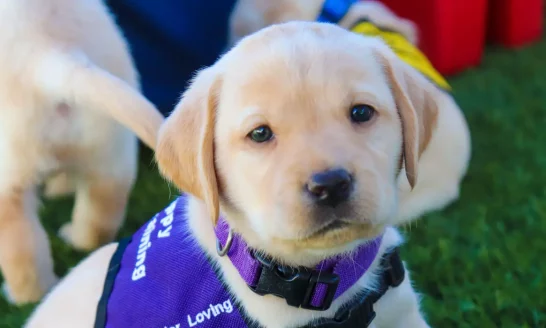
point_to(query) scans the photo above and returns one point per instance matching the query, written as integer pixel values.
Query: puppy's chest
(406, 51)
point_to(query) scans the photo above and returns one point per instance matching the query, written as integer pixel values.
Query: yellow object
(404, 50)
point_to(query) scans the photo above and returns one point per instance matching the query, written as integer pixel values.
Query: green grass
(479, 263)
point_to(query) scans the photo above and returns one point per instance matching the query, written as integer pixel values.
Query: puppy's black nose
(331, 187)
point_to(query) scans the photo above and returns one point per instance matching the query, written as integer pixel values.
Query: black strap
(113, 269)
(295, 285)
(360, 313)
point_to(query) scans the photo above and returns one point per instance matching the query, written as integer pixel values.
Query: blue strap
(334, 10)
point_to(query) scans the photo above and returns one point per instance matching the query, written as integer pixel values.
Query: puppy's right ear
(185, 148)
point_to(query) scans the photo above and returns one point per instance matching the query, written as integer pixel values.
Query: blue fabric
(170, 39)
(334, 10)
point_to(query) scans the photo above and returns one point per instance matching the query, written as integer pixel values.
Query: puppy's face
(308, 141)
(298, 133)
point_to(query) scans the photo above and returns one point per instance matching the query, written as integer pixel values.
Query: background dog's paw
(77, 241)
(7, 294)
(59, 185)
(29, 293)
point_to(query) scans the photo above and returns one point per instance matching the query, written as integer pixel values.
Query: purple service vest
(160, 278)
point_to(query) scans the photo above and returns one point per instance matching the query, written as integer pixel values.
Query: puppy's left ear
(185, 148)
(417, 106)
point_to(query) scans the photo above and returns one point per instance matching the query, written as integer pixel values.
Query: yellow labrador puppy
(446, 150)
(67, 81)
(289, 148)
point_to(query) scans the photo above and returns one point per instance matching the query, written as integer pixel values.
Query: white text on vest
(212, 310)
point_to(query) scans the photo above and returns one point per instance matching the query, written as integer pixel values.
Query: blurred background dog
(69, 110)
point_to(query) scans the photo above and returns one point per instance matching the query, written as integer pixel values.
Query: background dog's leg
(101, 197)
(61, 184)
(25, 255)
(98, 212)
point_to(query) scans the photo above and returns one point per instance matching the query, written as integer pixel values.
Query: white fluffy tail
(73, 77)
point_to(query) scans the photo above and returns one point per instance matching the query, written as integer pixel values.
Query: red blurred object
(451, 32)
(515, 23)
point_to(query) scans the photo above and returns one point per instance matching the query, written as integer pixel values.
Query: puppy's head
(249, 16)
(298, 133)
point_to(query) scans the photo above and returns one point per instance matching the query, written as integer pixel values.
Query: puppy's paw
(59, 185)
(78, 242)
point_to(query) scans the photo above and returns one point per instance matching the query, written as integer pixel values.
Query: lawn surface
(479, 263)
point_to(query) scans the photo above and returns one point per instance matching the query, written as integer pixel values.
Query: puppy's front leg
(399, 308)
(25, 255)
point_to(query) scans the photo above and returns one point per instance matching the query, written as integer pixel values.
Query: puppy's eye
(261, 134)
(362, 113)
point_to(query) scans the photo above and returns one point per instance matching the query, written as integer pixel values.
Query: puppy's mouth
(331, 226)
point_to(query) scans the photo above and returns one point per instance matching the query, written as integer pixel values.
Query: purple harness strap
(349, 269)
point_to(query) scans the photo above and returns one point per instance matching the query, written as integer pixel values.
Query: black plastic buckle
(295, 285)
(361, 313)
(395, 272)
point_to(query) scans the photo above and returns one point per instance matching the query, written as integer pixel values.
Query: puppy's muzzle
(330, 188)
